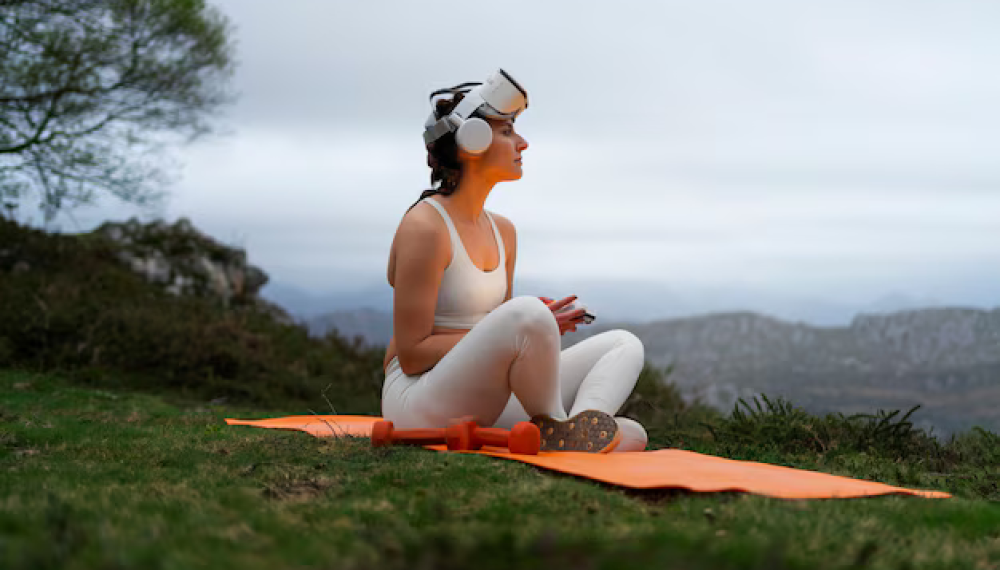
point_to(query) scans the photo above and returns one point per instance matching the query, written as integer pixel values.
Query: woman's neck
(469, 200)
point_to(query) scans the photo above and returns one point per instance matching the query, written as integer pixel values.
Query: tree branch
(77, 77)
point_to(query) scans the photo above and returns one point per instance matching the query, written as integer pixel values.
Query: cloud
(836, 148)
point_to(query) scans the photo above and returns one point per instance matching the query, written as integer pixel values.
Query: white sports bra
(468, 293)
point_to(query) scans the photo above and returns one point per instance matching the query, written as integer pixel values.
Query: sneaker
(591, 431)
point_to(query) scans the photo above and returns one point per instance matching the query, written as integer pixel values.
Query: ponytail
(442, 156)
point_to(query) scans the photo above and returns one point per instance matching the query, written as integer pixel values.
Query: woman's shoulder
(419, 223)
(418, 214)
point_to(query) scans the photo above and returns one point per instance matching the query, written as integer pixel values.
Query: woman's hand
(567, 321)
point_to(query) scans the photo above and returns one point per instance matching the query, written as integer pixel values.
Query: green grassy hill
(93, 478)
(113, 454)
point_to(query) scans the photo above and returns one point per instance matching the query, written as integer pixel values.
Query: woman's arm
(422, 254)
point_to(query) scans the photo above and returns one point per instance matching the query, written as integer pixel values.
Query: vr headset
(500, 97)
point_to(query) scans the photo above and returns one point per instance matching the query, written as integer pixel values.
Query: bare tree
(90, 90)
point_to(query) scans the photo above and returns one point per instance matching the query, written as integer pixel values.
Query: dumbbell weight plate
(381, 433)
(525, 439)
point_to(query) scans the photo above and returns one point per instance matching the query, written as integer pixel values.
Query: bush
(658, 405)
(780, 424)
(67, 304)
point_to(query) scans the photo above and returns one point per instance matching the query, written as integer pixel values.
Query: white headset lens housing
(503, 95)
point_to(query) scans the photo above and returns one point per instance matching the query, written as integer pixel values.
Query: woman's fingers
(570, 315)
(567, 320)
(562, 303)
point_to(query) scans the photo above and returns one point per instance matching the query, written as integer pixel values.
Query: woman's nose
(523, 145)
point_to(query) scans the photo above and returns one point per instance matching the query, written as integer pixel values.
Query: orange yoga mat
(664, 468)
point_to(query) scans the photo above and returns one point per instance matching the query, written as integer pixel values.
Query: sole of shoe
(590, 431)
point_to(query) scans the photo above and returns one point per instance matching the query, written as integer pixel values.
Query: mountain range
(618, 299)
(947, 359)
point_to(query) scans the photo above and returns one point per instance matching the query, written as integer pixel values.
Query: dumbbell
(462, 435)
(524, 438)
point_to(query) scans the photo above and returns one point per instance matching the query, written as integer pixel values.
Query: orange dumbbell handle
(497, 437)
(383, 433)
(418, 436)
(524, 438)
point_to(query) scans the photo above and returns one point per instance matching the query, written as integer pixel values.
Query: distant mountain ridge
(895, 344)
(946, 359)
(373, 326)
(628, 300)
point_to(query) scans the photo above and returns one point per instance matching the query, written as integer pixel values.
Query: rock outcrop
(186, 261)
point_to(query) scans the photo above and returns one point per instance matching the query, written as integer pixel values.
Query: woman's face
(502, 161)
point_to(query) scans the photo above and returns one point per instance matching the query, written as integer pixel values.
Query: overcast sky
(841, 150)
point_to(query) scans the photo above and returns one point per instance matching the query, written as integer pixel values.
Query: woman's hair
(442, 155)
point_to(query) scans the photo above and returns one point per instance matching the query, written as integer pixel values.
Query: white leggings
(509, 367)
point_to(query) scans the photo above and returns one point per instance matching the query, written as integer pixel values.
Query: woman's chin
(505, 175)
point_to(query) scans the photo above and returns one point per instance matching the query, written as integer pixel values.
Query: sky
(838, 150)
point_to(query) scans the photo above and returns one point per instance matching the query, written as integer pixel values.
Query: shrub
(67, 304)
(782, 425)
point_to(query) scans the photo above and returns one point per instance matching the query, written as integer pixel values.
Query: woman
(462, 345)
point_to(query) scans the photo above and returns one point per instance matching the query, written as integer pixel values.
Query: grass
(114, 454)
(93, 478)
